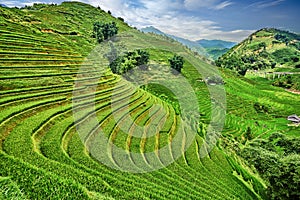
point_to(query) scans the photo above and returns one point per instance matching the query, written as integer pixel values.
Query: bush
(277, 160)
(122, 19)
(103, 31)
(130, 60)
(176, 62)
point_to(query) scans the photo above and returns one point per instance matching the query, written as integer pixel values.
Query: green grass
(42, 155)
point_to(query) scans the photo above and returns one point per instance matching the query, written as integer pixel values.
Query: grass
(42, 155)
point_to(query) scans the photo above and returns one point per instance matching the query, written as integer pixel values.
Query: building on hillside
(294, 118)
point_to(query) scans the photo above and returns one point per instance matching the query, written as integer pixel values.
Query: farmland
(58, 100)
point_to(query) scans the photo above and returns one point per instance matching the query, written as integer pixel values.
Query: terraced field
(56, 104)
(38, 135)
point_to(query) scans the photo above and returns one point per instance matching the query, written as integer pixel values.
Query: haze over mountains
(210, 48)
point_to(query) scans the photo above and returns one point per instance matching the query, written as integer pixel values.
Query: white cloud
(167, 16)
(164, 15)
(10, 3)
(223, 5)
(265, 4)
(211, 4)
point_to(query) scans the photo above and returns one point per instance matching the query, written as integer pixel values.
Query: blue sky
(197, 19)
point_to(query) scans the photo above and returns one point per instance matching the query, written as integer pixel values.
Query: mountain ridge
(209, 48)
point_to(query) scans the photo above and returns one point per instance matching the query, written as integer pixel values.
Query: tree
(143, 57)
(129, 60)
(103, 31)
(277, 160)
(176, 62)
(285, 178)
(262, 45)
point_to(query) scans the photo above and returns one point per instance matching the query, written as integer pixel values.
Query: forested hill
(267, 49)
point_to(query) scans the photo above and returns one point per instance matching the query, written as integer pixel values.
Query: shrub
(277, 160)
(103, 31)
(130, 60)
(176, 62)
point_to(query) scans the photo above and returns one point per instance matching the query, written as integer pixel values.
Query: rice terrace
(94, 108)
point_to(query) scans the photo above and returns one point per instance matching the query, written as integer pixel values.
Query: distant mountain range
(191, 44)
(3, 5)
(210, 48)
(216, 44)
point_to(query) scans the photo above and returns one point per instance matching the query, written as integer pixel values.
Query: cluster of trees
(37, 6)
(176, 63)
(103, 31)
(289, 82)
(242, 63)
(285, 82)
(285, 55)
(277, 160)
(282, 38)
(234, 62)
(130, 60)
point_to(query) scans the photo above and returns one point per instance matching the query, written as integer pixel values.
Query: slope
(47, 63)
(267, 49)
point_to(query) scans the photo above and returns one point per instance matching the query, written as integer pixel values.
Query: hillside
(267, 49)
(267, 53)
(69, 127)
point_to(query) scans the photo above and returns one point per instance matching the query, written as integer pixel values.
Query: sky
(231, 20)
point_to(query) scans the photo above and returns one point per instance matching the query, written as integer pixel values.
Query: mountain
(190, 44)
(151, 29)
(268, 52)
(3, 5)
(218, 44)
(70, 128)
(210, 48)
(216, 48)
(267, 49)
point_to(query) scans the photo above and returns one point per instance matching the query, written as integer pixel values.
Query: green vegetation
(163, 93)
(44, 61)
(277, 160)
(176, 63)
(104, 31)
(289, 82)
(123, 64)
(265, 49)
